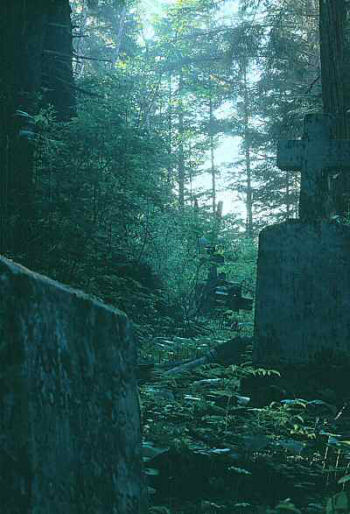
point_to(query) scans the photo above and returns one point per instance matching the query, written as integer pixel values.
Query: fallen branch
(226, 353)
(75, 56)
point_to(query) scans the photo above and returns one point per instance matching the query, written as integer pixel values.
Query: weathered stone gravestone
(303, 280)
(314, 155)
(69, 417)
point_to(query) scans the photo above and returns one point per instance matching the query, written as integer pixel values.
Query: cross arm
(338, 154)
(290, 154)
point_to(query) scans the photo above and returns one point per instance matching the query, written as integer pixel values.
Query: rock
(69, 415)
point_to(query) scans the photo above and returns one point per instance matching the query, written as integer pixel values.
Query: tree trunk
(335, 74)
(27, 32)
(170, 130)
(22, 36)
(249, 192)
(181, 154)
(212, 156)
(57, 70)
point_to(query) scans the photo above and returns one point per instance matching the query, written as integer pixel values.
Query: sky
(227, 151)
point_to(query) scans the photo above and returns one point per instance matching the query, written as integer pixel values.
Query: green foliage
(110, 218)
(338, 503)
(220, 451)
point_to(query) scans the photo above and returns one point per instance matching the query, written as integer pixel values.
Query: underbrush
(237, 439)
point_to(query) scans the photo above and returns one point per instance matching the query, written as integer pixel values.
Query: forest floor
(237, 439)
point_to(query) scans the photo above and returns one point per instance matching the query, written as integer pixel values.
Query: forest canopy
(122, 113)
(133, 129)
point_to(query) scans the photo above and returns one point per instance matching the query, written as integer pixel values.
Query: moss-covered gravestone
(303, 281)
(69, 417)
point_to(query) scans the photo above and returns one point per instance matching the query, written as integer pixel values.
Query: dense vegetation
(102, 161)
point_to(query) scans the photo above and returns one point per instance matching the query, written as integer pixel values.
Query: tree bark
(212, 155)
(57, 69)
(335, 74)
(181, 154)
(249, 192)
(27, 29)
(170, 130)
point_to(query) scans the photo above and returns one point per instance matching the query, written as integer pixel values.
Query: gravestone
(218, 292)
(315, 156)
(303, 279)
(69, 417)
(229, 294)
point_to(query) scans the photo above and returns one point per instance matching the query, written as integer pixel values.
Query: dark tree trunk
(22, 35)
(27, 31)
(57, 71)
(247, 152)
(170, 130)
(181, 151)
(332, 41)
(212, 154)
(335, 73)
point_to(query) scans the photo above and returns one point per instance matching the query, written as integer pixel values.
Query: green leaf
(338, 503)
(344, 479)
(288, 506)
(150, 451)
(159, 510)
(151, 472)
(240, 471)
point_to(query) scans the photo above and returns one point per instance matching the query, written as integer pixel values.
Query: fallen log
(226, 353)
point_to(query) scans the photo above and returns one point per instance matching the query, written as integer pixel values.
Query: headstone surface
(69, 417)
(303, 292)
(315, 156)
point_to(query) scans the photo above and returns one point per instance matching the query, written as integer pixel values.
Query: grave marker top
(314, 155)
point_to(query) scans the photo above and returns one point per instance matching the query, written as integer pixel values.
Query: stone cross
(230, 295)
(314, 155)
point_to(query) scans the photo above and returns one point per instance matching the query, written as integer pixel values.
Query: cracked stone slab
(70, 437)
(303, 292)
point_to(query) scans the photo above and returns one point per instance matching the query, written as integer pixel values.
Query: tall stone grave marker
(303, 280)
(69, 417)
